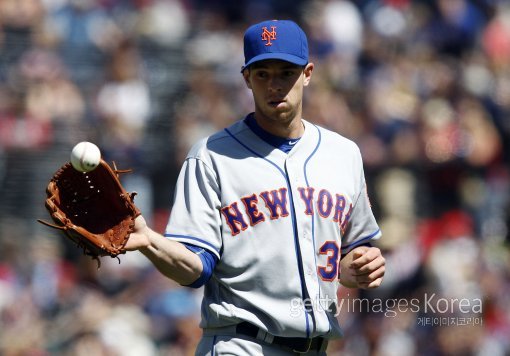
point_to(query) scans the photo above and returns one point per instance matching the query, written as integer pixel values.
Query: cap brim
(281, 56)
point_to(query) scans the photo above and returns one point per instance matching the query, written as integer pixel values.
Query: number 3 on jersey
(330, 271)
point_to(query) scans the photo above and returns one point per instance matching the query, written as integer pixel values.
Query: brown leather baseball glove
(93, 209)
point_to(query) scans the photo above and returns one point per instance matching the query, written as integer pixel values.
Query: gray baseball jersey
(278, 224)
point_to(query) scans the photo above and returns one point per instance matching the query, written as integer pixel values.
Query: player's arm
(171, 258)
(362, 267)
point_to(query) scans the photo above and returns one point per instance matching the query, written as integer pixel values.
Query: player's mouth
(276, 103)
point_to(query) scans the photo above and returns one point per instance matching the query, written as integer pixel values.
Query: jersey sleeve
(195, 217)
(208, 263)
(362, 227)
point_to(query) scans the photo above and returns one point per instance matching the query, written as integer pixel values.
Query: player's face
(277, 88)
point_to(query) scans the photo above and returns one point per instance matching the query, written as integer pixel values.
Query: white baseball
(85, 156)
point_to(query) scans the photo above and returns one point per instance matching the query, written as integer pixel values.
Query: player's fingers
(374, 284)
(372, 253)
(372, 280)
(369, 267)
(357, 253)
(378, 273)
(360, 257)
(372, 276)
(365, 253)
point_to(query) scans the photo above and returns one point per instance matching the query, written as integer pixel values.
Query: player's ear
(246, 76)
(307, 73)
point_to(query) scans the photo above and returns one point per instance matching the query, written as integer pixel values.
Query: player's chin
(281, 113)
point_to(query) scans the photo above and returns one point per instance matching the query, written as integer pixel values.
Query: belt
(296, 344)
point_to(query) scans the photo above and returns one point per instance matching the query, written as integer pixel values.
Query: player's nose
(275, 84)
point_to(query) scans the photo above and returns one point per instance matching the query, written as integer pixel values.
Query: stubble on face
(277, 88)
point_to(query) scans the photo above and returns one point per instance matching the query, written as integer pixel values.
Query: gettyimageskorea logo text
(432, 308)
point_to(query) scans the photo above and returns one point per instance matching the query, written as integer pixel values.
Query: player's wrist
(145, 240)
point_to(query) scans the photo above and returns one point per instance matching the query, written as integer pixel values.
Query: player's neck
(287, 129)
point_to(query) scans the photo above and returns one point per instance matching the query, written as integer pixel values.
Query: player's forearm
(172, 259)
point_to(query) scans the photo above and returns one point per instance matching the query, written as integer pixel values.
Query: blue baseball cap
(275, 39)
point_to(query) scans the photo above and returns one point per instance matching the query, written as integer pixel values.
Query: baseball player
(270, 215)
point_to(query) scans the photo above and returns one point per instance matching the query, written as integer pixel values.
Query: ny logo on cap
(268, 36)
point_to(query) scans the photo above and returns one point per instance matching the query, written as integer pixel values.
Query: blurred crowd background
(423, 87)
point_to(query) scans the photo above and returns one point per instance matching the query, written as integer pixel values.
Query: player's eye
(261, 74)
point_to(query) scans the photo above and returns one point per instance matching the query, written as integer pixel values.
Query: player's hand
(139, 238)
(363, 268)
